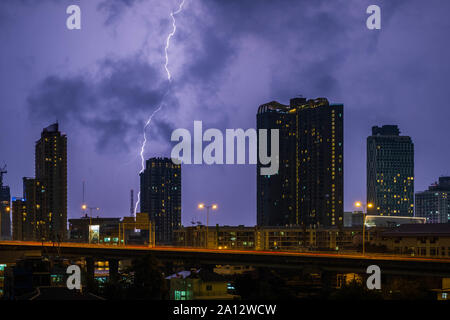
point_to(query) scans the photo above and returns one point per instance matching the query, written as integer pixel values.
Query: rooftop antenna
(83, 191)
(2, 172)
(131, 202)
(83, 204)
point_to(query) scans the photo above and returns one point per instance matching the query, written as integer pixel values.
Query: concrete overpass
(324, 262)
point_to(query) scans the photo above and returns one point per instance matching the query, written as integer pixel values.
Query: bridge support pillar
(328, 280)
(90, 274)
(113, 270)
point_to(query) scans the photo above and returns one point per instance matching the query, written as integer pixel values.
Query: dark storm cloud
(210, 59)
(312, 39)
(161, 130)
(223, 26)
(111, 103)
(114, 9)
(309, 61)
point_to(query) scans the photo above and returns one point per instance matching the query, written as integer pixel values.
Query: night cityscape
(227, 151)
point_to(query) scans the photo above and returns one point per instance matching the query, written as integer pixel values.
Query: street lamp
(202, 206)
(369, 205)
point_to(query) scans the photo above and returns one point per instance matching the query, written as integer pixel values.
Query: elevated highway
(341, 262)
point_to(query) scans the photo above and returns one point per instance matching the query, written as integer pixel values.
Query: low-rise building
(96, 230)
(225, 237)
(199, 285)
(426, 240)
(268, 238)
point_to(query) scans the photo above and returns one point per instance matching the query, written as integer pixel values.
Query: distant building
(348, 218)
(51, 171)
(108, 229)
(230, 270)
(308, 188)
(390, 172)
(199, 285)
(19, 218)
(357, 218)
(391, 221)
(426, 240)
(35, 220)
(223, 237)
(434, 203)
(161, 197)
(137, 230)
(294, 238)
(5, 209)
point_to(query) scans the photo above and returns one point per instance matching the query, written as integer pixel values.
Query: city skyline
(386, 131)
(371, 74)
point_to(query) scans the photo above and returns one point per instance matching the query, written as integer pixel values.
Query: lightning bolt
(174, 29)
(161, 104)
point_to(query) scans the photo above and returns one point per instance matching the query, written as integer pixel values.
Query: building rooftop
(386, 130)
(434, 229)
(52, 128)
(294, 104)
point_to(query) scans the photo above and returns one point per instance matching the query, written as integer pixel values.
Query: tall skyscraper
(309, 187)
(34, 224)
(434, 203)
(161, 197)
(5, 209)
(390, 172)
(51, 171)
(19, 219)
(277, 194)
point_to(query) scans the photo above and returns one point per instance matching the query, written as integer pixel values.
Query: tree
(355, 290)
(142, 281)
(262, 284)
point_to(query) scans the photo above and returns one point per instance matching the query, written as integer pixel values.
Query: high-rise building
(434, 203)
(19, 219)
(276, 194)
(161, 197)
(35, 218)
(390, 172)
(5, 209)
(51, 172)
(308, 188)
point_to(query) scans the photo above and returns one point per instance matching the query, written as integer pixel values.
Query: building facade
(161, 197)
(308, 188)
(290, 238)
(19, 219)
(390, 172)
(80, 230)
(51, 171)
(5, 209)
(434, 203)
(426, 240)
(34, 220)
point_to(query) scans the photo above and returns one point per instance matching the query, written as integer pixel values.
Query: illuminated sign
(94, 233)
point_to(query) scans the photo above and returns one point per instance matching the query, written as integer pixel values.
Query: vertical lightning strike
(174, 29)
(169, 77)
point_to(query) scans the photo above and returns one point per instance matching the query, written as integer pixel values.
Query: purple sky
(226, 58)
